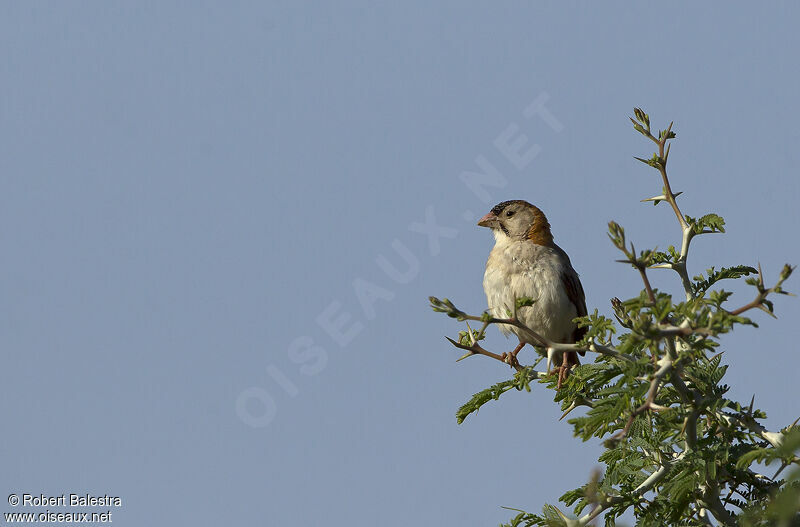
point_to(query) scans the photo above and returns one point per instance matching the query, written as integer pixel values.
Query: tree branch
(644, 487)
(664, 155)
(647, 286)
(446, 306)
(669, 196)
(719, 511)
(477, 349)
(665, 367)
(761, 298)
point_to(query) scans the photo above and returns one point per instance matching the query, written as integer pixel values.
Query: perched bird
(525, 262)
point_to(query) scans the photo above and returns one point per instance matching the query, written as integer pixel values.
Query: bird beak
(490, 220)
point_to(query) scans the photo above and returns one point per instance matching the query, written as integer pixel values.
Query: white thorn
(471, 336)
(551, 352)
(774, 438)
(662, 197)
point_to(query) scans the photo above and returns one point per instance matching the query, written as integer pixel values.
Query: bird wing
(574, 289)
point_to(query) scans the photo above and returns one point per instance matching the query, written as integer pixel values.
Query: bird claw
(510, 359)
(563, 371)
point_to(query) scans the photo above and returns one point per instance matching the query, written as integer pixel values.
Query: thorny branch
(650, 294)
(660, 162)
(644, 487)
(446, 306)
(665, 367)
(664, 156)
(760, 301)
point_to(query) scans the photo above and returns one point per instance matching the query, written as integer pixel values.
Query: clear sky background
(187, 187)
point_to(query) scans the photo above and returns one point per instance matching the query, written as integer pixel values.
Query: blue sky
(193, 195)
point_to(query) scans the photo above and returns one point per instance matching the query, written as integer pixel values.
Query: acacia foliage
(677, 449)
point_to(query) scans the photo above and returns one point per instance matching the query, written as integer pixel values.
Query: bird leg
(511, 358)
(568, 360)
(562, 373)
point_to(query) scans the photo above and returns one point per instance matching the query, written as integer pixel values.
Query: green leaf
(710, 223)
(703, 284)
(520, 381)
(662, 133)
(524, 302)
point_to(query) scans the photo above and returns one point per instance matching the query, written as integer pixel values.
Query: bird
(525, 262)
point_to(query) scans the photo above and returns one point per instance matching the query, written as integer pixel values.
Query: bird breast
(522, 269)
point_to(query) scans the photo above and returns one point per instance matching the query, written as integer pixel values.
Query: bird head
(518, 220)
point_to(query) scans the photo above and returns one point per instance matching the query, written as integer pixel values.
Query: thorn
(767, 311)
(661, 266)
(563, 517)
(550, 354)
(571, 407)
(662, 197)
(471, 336)
(467, 354)
(716, 355)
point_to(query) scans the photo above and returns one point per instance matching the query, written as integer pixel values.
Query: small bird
(525, 262)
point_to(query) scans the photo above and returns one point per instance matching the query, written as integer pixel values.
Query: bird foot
(563, 371)
(511, 358)
(568, 361)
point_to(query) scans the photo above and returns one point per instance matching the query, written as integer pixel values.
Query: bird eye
(509, 213)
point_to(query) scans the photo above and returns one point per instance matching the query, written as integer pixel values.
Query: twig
(783, 466)
(664, 155)
(684, 330)
(477, 349)
(655, 384)
(761, 298)
(669, 197)
(642, 489)
(446, 306)
(643, 272)
(719, 511)
(773, 438)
